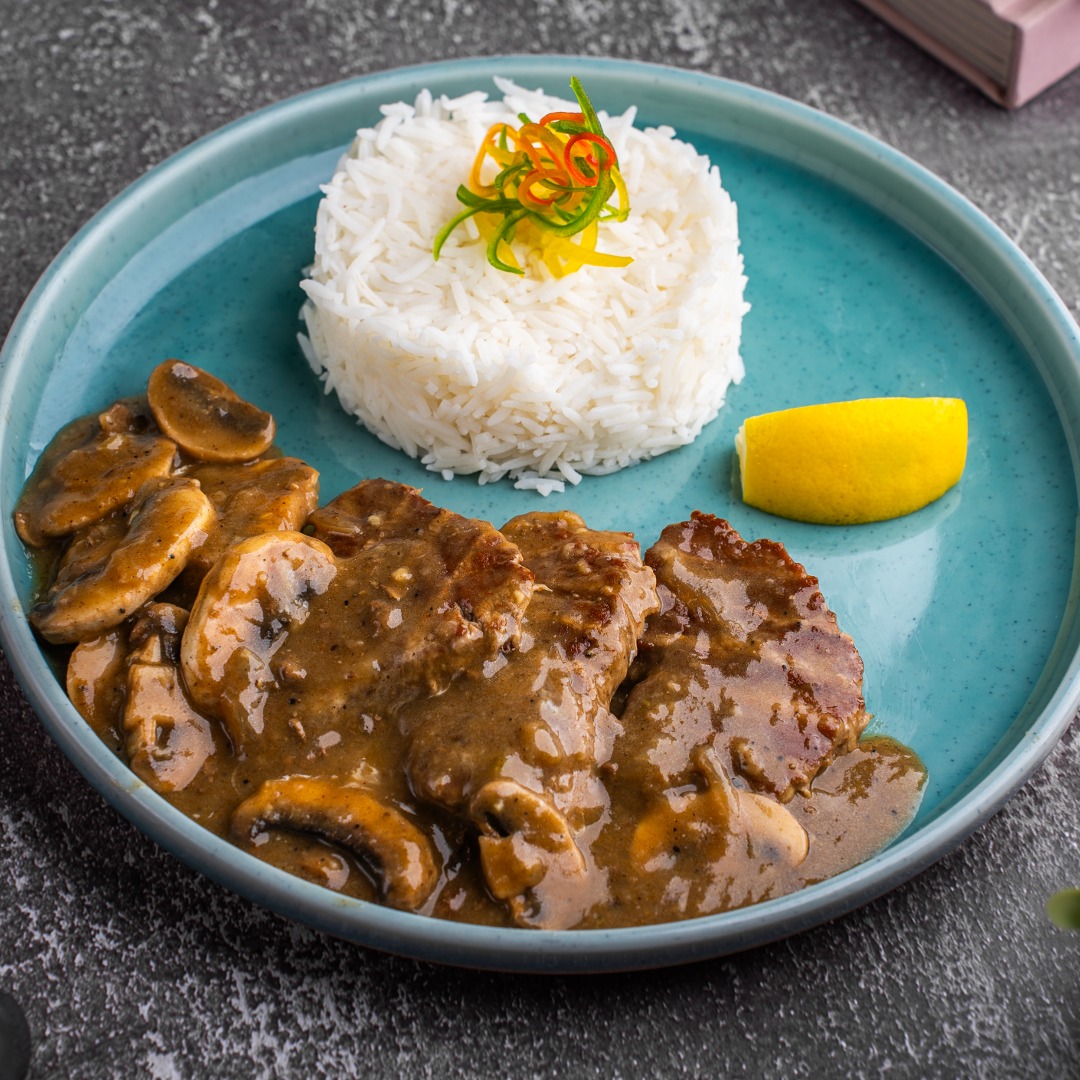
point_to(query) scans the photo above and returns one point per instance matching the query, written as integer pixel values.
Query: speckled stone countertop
(129, 964)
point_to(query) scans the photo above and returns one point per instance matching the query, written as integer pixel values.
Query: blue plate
(867, 276)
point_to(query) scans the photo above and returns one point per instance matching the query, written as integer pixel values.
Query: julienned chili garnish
(544, 183)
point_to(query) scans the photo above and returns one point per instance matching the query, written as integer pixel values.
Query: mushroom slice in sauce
(709, 847)
(380, 835)
(85, 474)
(204, 416)
(528, 854)
(88, 549)
(95, 682)
(168, 523)
(272, 495)
(721, 819)
(129, 416)
(258, 592)
(166, 740)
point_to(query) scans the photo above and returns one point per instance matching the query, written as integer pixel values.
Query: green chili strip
(500, 234)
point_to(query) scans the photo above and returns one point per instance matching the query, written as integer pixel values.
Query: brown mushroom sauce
(530, 726)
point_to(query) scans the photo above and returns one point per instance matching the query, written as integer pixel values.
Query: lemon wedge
(850, 462)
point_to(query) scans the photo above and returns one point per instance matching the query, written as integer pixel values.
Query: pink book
(1010, 49)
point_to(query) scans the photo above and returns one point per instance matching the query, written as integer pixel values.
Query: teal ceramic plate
(867, 276)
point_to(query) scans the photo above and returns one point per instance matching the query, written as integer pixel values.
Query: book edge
(1046, 48)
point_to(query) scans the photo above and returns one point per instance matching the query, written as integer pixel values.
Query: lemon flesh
(850, 462)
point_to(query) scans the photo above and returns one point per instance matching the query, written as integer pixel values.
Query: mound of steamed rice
(474, 370)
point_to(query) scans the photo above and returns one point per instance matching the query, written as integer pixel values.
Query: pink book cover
(1045, 44)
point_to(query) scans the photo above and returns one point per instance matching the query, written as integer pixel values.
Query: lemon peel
(852, 462)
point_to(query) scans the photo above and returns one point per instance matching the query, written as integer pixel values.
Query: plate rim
(629, 948)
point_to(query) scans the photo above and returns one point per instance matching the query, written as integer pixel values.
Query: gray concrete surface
(129, 964)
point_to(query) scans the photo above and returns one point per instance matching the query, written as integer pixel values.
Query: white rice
(474, 370)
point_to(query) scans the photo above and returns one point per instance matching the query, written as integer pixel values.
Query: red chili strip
(597, 140)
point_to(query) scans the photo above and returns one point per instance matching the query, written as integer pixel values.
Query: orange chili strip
(526, 195)
(526, 147)
(490, 148)
(535, 133)
(572, 117)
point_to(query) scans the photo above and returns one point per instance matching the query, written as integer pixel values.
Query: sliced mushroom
(717, 826)
(205, 417)
(167, 741)
(772, 824)
(131, 416)
(167, 525)
(95, 682)
(528, 854)
(88, 549)
(250, 499)
(380, 835)
(255, 593)
(86, 474)
(764, 822)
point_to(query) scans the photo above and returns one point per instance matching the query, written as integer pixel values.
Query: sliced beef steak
(515, 745)
(744, 657)
(410, 598)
